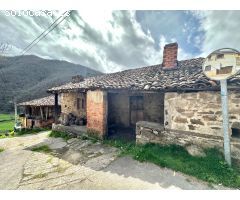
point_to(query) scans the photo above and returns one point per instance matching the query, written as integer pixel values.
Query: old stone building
(175, 96)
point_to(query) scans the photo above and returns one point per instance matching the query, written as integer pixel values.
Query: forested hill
(28, 77)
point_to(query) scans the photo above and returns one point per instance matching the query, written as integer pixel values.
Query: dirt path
(80, 164)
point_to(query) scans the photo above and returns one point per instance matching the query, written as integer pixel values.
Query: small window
(78, 103)
(220, 56)
(208, 68)
(209, 57)
(235, 132)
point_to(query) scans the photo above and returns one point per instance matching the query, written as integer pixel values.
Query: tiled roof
(188, 76)
(45, 101)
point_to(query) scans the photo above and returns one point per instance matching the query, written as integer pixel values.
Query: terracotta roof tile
(188, 75)
(45, 101)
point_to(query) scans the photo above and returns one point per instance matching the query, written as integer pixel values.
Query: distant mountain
(28, 77)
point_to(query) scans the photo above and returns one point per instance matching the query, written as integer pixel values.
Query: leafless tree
(4, 48)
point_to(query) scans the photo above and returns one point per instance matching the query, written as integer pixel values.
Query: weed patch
(40, 175)
(1, 150)
(59, 134)
(43, 148)
(30, 131)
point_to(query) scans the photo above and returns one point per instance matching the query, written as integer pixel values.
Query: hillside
(28, 77)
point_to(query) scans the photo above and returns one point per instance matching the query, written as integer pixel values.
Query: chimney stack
(170, 56)
(77, 79)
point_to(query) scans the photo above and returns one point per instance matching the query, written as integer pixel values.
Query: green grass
(6, 117)
(7, 135)
(30, 131)
(59, 134)
(43, 148)
(7, 125)
(10, 134)
(211, 168)
(1, 150)
(40, 175)
(6, 122)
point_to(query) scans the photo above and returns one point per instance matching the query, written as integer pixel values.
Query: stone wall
(97, 112)
(149, 132)
(119, 108)
(69, 103)
(76, 131)
(200, 112)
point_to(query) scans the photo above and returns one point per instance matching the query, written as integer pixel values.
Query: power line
(37, 40)
(43, 32)
(43, 36)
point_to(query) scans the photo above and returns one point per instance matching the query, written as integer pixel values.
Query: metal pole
(15, 110)
(224, 97)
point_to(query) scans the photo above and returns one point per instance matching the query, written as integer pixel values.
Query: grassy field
(6, 122)
(8, 125)
(6, 117)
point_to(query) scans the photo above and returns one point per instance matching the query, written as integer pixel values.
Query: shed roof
(45, 101)
(187, 76)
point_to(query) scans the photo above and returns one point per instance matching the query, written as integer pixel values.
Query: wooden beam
(41, 111)
(56, 107)
(46, 112)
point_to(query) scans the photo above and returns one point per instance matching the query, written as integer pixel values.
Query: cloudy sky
(110, 41)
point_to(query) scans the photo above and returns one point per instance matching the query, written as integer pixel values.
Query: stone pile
(71, 119)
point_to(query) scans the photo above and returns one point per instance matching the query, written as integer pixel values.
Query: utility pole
(15, 109)
(224, 97)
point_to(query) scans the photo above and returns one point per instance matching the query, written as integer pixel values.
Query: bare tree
(4, 49)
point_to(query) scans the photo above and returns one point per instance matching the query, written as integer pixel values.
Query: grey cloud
(62, 43)
(221, 30)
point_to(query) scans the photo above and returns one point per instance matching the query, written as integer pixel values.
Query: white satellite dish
(222, 64)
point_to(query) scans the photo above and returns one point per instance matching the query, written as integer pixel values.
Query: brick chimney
(77, 79)
(170, 56)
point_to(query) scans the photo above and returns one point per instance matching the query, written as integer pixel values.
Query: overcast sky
(110, 41)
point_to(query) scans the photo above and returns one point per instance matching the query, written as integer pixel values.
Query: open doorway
(125, 109)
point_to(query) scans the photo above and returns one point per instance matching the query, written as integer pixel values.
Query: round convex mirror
(222, 64)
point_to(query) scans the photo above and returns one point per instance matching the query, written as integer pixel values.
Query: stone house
(172, 97)
(38, 113)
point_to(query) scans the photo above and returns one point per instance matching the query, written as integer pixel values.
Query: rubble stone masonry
(200, 112)
(149, 132)
(69, 103)
(97, 113)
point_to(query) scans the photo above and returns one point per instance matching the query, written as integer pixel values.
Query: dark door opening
(136, 109)
(119, 126)
(126, 109)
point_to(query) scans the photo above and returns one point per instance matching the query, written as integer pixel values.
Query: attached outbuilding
(39, 113)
